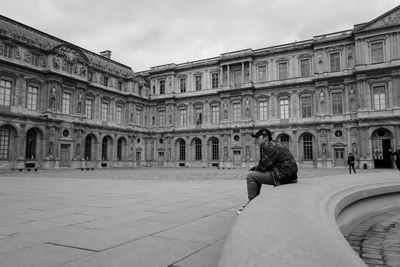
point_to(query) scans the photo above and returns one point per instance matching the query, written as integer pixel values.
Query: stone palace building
(64, 106)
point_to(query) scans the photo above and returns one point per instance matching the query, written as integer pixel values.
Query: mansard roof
(389, 19)
(19, 32)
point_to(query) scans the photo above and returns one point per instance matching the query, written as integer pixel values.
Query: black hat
(263, 132)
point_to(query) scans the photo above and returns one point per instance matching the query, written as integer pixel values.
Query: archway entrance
(381, 143)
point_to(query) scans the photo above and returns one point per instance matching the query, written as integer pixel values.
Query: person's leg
(354, 170)
(349, 168)
(255, 180)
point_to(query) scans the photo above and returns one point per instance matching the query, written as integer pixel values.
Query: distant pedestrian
(397, 155)
(351, 162)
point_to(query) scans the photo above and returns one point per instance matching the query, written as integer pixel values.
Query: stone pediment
(339, 144)
(71, 54)
(390, 18)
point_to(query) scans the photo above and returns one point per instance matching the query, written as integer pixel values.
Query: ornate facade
(64, 106)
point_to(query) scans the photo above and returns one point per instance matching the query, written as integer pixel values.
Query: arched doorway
(381, 143)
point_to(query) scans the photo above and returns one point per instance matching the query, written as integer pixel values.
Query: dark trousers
(255, 180)
(351, 166)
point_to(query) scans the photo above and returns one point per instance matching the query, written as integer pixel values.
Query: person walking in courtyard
(351, 162)
(276, 166)
(397, 155)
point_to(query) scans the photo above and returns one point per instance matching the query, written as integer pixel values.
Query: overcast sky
(147, 33)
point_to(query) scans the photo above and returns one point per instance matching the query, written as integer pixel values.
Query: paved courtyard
(121, 217)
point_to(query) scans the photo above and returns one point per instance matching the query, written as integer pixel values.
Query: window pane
(307, 147)
(283, 70)
(215, 114)
(32, 98)
(337, 103)
(66, 104)
(5, 93)
(236, 112)
(306, 106)
(335, 61)
(305, 67)
(379, 98)
(262, 73)
(4, 142)
(377, 52)
(263, 110)
(215, 80)
(88, 107)
(284, 108)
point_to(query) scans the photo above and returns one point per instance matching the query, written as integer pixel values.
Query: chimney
(106, 54)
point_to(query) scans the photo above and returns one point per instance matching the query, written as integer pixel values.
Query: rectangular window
(4, 142)
(90, 76)
(104, 111)
(379, 98)
(334, 59)
(305, 67)
(262, 73)
(105, 81)
(119, 114)
(377, 52)
(32, 98)
(284, 108)
(119, 86)
(89, 108)
(182, 117)
(182, 84)
(8, 51)
(34, 59)
(283, 70)
(139, 116)
(66, 103)
(162, 87)
(215, 80)
(5, 93)
(215, 114)
(237, 77)
(236, 112)
(162, 120)
(337, 106)
(199, 116)
(198, 82)
(263, 110)
(306, 106)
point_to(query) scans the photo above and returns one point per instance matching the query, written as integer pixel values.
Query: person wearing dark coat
(351, 162)
(397, 155)
(276, 166)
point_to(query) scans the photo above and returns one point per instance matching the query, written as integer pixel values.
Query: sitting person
(276, 166)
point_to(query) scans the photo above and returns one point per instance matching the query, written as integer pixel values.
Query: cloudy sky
(146, 33)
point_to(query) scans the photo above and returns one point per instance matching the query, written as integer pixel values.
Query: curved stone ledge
(303, 224)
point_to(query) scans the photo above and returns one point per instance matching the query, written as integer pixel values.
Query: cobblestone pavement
(377, 239)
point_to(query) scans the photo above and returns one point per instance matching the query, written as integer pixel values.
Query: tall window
(31, 138)
(197, 148)
(5, 93)
(214, 149)
(35, 59)
(4, 142)
(305, 67)
(88, 147)
(139, 116)
(105, 81)
(89, 108)
(337, 106)
(162, 87)
(262, 73)
(379, 98)
(263, 110)
(377, 52)
(199, 115)
(284, 108)
(236, 112)
(283, 70)
(197, 79)
(215, 114)
(182, 84)
(104, 111)
(32, 98)
(161, 114)
(8, 51)
(214, 80)
(237, 77)
(182, 117)
(307, 147)
(119, 149)
(66, 103)
(119, 86)
(119, 114)
(306, 106)
(182, 150)
(334, 59)
(104, 149)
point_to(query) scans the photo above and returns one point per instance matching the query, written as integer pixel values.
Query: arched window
(88, 147)
(308, 147)
(197, 149)
(4, 142)
(119, 149)
(182, 150)
(214, 149)
(31, 139)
